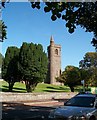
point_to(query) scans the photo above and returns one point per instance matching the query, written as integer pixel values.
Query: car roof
(86, 95)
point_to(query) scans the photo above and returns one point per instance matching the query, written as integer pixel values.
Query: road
(29, 110)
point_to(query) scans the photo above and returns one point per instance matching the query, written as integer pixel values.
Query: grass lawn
(20, 87)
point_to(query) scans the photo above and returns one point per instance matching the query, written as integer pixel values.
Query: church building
(54, 66)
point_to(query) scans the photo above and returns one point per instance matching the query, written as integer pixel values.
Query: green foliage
(3, 3)
(70, 76)
(32, 65)
(10, 66)
(1, 59)
(29, 63)
(90, 60)
(89, 63)
(74, 13)
(2, 31)
(85, 75)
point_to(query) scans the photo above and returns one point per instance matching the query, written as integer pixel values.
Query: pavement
(53, 102)
(49, 102)
(29, 110)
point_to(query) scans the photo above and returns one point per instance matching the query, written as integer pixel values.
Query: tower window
(56, 51)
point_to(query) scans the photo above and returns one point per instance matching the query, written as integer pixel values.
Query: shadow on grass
(6, 89)
(60, 89)
(15, 88)
(55, 91)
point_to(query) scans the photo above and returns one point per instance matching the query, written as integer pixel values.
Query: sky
(25, 24)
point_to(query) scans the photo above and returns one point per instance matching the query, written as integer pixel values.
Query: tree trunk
(33, 86)
(11, 84)
(30, 86)
(71, 88)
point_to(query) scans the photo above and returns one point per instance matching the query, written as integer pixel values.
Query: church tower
(54, 56)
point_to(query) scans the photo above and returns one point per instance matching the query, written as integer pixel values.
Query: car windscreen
(81, 101)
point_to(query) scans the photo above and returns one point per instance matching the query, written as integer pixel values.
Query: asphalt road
(29, 110)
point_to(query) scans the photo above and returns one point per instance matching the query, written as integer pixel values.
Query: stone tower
(54, 56)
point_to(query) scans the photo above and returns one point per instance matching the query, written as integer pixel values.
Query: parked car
(80, 107)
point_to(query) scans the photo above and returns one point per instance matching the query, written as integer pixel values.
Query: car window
(81, 102)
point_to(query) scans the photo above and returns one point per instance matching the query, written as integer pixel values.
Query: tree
(2, 31)
(10, 66)
(89, 60)
(32, 65)
(89, 63)
(75, 14)
(3, 27)
(85, 75)
(1, 59)
(70, 76)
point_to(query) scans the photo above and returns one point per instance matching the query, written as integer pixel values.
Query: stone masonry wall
(19, 97)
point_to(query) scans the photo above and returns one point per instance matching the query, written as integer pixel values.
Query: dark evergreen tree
(10, 66)
(1, 60)
(32, 65)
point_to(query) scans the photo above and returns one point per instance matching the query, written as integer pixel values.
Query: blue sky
(31, 25)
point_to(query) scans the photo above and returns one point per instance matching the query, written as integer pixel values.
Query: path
(29, 110)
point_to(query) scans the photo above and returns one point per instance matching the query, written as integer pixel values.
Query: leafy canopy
(89, 60)
(89, 63)
(75, 14)
(70, 76)
(1, 59)
(29, 63)
(2, 31)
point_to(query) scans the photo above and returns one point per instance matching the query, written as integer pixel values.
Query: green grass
(51, 88)
(20, 87)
